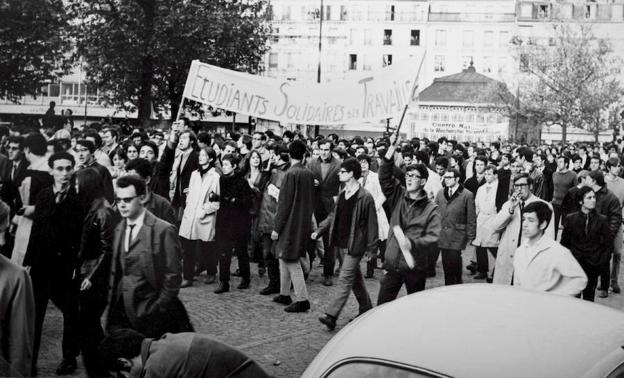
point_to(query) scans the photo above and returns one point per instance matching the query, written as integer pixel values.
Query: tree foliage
(34, 47)
(570, 79)
(139, 51)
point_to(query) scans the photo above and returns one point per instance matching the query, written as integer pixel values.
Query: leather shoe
(480, 276)
(269, 290)
(328, 320)
(282, 299)
(328, 281)
(301, 306)
(243, 285)
(222, 288)
(489, 280)
(472, 267)
(603, 293)
(67, 366)
(186, 283)
(210, 279)
(616, 288)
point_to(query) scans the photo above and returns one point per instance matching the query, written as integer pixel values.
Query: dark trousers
(173, 319)
(432, 259)
(92, 303)
(592, 273)
(557, 211)
(482, 258)
(225, 247)
(605, 275)
(372, 263)
(200, 254)
(392, 282)
(55, 283)
(329, 258)
(452, 265)
(270, 260)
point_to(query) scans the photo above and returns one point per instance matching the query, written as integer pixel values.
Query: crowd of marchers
(105, 219)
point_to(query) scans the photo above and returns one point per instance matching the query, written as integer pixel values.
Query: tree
(139, 51)
(568, 79)
(34, 47)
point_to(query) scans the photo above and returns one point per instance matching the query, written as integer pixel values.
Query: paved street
(284, 344)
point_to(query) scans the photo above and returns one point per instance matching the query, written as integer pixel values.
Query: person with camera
(197, 230)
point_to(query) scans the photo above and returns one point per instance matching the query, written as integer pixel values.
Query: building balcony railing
(472, 17)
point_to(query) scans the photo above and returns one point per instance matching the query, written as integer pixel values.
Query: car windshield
(365, 369)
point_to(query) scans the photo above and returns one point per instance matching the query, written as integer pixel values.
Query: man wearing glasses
(258, 141)
(145, 272)
(419, 221)
(508, 222)
(459, 224)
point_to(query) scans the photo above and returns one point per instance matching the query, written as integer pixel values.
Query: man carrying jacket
(353, 231)
(417, 217)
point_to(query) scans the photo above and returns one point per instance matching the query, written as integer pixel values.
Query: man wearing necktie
(145, 275)
(508, 223)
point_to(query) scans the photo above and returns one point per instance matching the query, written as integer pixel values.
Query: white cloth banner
(369, 97)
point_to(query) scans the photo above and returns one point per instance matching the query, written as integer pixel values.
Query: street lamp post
(320, 48)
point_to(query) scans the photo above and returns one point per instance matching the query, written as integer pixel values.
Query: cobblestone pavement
(284, 344)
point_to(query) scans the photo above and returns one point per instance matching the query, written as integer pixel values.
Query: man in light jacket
(541, 263)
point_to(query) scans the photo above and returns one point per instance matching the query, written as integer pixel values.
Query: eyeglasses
(257, 138)
(521, 185)
(125, 200)
(449, 177)
(412, 176)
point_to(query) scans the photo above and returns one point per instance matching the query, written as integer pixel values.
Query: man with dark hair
(52, 254)
(616, 185)
(258, 141)
(326, 184)
(608, 205)
(100, 156)
(416, 219)
(577, 164)
(16, 173)
(508, 223)
(477, 178)
(441, 165)
(586, 234)
(85, 150)
(539, 161)
(293, 227)
(145, 272)
(595, 162)
(352, 227)
(110, 138)
(288, 136)
(459, 224)
(563, 181)
(184, 160)
(541, 263)
(128, 353)
(154, 203)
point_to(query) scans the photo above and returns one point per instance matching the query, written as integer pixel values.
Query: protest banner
(368, 97)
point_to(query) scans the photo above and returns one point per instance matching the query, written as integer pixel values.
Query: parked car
(478, 330)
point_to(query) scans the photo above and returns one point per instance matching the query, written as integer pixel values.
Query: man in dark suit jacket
(15, 174)
(326, 184)
(52, 253)
(145, 274)
(154, 203)
(84, 153)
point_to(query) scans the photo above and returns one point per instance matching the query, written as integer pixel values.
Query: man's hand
(29, 211)
(86, 285)
(390, 152)
(314, 236)
(274, 235)
(370, 255)
(316, 182)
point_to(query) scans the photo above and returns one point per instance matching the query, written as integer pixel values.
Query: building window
(440, 38)
(367, 37)
(353, 61)
(327, 12)
(524, 62)
(286, 13)
(387, 37)
(438, 63)
(343, 13)
(366, 64)
(488, 38)
(487, 64)
(468, 39)
(415, 37)
(424, 116)
(466, 61)
(55, 90)
(526, 10)
(543, 11)
(502, 65)
(503, 38)
(435, 117)
(390, 13)
(387, 60)
(273, 60)
(290, 61)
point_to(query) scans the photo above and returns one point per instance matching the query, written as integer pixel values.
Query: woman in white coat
(487, 238)
(197, 230)
(370, 182)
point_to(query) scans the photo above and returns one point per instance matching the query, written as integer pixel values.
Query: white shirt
(137, 223)
(548, 266)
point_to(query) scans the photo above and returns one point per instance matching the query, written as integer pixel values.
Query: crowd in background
(108, 217)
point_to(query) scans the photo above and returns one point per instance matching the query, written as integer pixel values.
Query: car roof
(480, 330)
